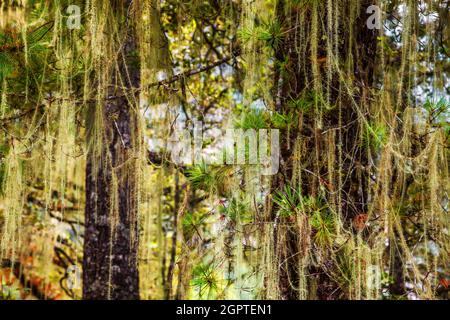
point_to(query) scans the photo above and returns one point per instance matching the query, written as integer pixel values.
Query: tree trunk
(110, 264)
(294, 78)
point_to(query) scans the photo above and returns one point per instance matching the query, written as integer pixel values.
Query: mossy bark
(293, 78)
(110, 264)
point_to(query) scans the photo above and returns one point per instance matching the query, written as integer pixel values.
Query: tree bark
(292, 80)
(110, 263)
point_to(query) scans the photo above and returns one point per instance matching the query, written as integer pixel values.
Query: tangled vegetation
(95, 95)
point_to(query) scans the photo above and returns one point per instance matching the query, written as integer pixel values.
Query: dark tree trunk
(397, 287)
(287, 84)
(291, 83)
(110, 264)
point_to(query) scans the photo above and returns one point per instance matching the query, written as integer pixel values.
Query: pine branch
(190, 73)
(20, 115)
(33, 37)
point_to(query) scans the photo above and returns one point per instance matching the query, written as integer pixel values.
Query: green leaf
(252, 119)
(7, 65)
(374, 136)
(39, 33)
(324, 226)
